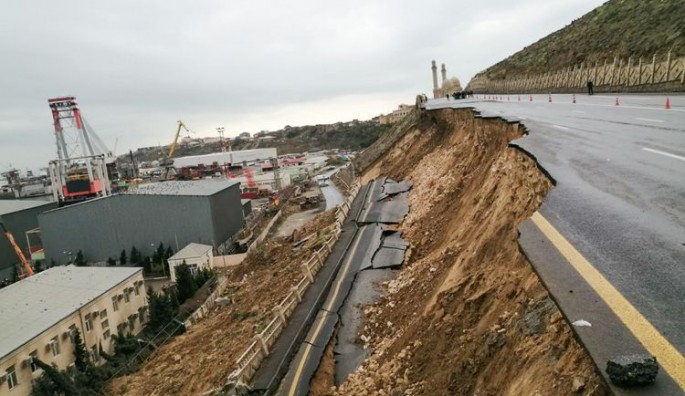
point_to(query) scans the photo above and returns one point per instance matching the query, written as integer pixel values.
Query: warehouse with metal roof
(174, 213)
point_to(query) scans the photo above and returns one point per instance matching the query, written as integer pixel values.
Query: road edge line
(667, 355)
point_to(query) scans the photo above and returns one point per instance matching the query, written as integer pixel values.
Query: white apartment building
(41, 313)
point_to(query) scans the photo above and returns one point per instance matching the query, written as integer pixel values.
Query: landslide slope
(467, 315)
(619, 28)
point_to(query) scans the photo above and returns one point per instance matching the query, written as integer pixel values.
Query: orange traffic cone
(617, 103)
(574, 98)
(668, 104)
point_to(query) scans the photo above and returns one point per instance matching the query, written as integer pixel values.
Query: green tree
(185, 282)
(111, 262)
(147, 266)
(168, 253)
(161, 310)
(136, 259)
(80, 260)
(123, 260)
(160, 253)
(60, 380)
(80, 354)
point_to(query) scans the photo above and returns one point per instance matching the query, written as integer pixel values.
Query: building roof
(17, 205)
(178, 187)
(35, 304)
(192, 250)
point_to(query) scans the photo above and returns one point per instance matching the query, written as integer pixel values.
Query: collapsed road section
(376, 247)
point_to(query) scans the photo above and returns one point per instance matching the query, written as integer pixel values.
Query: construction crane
(172, 148)
(167, 162)
(27, 267)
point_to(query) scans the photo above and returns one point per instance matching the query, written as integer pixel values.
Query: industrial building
(235, 158)
(19, 216)
(174, 213)
(41, 314)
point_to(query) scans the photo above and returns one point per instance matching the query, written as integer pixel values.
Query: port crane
(27, 267)
(167, 162)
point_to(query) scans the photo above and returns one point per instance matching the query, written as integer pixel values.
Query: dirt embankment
(201, 359)
(467, 315)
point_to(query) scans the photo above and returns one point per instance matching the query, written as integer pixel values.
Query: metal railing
(249, 361)
(606, 76)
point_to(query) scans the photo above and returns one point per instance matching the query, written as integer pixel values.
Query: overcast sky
(136, 67)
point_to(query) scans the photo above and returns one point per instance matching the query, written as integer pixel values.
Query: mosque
(448, 87)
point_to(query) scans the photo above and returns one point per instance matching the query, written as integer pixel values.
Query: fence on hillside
(258, 349)
(665, 72)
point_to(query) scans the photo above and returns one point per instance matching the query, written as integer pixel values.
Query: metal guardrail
(249, 361)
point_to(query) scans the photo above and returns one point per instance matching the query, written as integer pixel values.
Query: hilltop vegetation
(354, 135)
(621, 28)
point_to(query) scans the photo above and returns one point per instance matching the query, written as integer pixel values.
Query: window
(115, 304)
(94, 353)
(12, 377)
(54, 346)
(72, 333)
(89, 322)
(105, 324)
(136, 289)
(33, 356)
(127, 296)
(106, 334)
(103, 314)
(131, 322)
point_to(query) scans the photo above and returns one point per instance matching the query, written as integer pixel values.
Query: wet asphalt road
(620, 193)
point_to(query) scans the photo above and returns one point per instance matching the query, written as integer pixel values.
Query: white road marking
(664, 153)
(648, 119)
(563, 128)
(578, 111)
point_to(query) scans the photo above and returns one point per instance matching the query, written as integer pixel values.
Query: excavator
(28, 271)
(167, 162)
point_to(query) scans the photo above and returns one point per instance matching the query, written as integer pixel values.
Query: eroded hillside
(467, 315)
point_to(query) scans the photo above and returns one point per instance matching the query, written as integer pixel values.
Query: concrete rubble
(632, 370)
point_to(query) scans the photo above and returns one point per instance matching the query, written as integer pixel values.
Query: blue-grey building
(174, 213)
(18, 216)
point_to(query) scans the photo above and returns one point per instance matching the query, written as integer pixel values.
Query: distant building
(196, 256)
(19, 216)
(234, 158)
(40, 315)
(395, 116)
(175, 213)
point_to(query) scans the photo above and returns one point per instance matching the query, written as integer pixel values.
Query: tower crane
(17, 250)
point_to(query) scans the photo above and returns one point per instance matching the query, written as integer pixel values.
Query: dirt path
(467, 315)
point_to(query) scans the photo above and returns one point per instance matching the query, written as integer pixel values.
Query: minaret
(444, 74)
(435, 80)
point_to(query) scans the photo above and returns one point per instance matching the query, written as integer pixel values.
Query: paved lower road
(620, 204)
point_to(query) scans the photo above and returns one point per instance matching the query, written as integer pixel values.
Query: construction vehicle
(27, 267)
(166, 162)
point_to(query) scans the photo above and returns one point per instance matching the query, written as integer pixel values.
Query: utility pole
(220, 130)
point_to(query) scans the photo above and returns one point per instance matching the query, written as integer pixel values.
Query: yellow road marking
(667, 355)
(308, 347)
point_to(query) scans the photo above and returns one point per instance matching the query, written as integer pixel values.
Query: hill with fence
(623, 45)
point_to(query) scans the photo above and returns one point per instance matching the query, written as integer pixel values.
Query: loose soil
(202, 358)
(467, 315)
